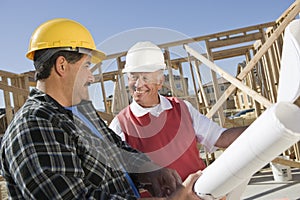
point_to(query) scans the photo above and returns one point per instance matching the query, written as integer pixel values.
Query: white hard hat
(144, 57)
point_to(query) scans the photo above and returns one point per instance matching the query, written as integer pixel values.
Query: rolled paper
(289, 81)
(270, 134)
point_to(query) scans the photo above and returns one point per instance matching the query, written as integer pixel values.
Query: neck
(151, 104)
(56, 91)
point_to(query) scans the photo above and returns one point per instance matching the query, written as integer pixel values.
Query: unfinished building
(255, 85)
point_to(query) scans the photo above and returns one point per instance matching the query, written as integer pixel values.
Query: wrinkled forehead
(141, 73)
(144, 73)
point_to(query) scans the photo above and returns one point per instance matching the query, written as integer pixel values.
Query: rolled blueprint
(289, 81)
(273, 132)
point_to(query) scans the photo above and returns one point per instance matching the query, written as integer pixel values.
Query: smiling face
(144, 86)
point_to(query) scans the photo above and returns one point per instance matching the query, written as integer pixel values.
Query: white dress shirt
(207, 131)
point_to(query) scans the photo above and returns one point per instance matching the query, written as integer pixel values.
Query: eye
(88, 65)
(146, 79)
(133, 78)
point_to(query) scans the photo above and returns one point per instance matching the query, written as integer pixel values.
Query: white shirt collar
(139, 111)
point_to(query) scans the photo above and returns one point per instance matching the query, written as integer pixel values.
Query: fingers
(156, 188)
(189, 185)
(191, 179)
(166, 182)
(172, 182)
(177, 178)
(166, 191)
(149, 188)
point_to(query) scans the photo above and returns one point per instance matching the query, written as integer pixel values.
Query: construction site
(230, 101)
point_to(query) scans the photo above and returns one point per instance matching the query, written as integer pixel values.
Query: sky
(106, 19)
(114, 19)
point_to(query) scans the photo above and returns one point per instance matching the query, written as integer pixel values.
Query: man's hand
(161, 182)
(186, 191)
(166, 181)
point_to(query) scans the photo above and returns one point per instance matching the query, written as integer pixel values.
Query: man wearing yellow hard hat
(57, 147)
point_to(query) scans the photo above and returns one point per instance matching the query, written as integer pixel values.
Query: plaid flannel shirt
(48, 153)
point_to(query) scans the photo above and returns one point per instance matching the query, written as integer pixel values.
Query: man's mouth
(134, 89)
(139, 92)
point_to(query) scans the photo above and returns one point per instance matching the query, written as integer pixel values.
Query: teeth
(140, 92)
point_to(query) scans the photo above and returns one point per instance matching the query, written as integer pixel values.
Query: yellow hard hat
(63, 33)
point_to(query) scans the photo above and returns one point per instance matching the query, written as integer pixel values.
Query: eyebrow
(88, 62)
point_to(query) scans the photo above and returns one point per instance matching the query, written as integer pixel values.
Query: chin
(137, 99)
(87, 98)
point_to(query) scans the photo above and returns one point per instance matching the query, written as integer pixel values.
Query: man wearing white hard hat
(167, 129)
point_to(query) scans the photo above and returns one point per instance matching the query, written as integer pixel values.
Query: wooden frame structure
(260, 46)
(15, 89)
(262, 56)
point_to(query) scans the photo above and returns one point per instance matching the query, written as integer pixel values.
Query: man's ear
(161, 82)
(60, 65)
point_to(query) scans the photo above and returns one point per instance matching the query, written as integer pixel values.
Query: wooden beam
(8, 74)
(201, 38)
(234, 40)
(106, 116)
(220, 34)
(286, 162)
(13, 89)
(121, 83)
(107, 76)
(217, 92)
(233, 52)
(228, 77)
(170, 72)
(256, 58)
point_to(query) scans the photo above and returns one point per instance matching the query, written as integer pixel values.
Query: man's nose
(91, 77)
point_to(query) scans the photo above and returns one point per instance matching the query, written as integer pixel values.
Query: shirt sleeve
(116, 127)
(207, 131)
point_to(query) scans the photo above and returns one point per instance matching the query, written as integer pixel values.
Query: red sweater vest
(169, 139)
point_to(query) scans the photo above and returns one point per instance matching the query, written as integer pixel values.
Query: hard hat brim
(96, 55)
(144, 68)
